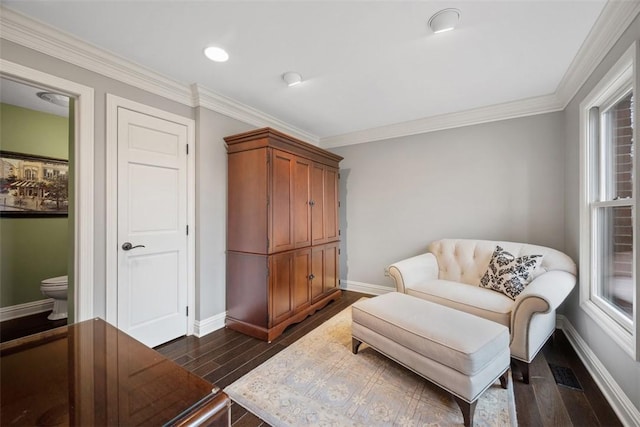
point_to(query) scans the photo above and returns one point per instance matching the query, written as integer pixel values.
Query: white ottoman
(462, 353)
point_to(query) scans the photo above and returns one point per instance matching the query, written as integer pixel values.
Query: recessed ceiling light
(292, 78)
(216, 54)
(54, 98)
(445, 20)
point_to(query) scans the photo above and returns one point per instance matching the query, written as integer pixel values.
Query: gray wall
(501, 180)
(621, 366)
(211, 208)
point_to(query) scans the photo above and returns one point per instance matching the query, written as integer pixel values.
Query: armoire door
(281, 201)
(301, 279)
(317, 269)
(324, 200)
(325, 266)
(301, 202)
(330, 213)
(331, 273)
(280, 283)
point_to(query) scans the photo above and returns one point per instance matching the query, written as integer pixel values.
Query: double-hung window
(609, 226)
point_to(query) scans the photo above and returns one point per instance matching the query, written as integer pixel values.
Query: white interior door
(152, 227)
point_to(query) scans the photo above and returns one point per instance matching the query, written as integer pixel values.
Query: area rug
(318, 381)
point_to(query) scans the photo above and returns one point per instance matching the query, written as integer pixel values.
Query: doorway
(35, 140)
(150, 194)
(80, 211)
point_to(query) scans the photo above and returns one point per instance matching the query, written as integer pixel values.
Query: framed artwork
(33, 186)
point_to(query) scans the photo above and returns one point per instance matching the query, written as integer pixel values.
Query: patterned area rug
(319, 381)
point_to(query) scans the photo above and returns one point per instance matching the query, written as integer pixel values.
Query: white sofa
(450, 272)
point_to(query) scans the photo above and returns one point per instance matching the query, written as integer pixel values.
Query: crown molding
(203, 97)
(615, 18)
(40, 37)
(612, 22)
(43, 38)
(492, 113)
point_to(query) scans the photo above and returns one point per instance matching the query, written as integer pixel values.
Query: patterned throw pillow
(508, 274)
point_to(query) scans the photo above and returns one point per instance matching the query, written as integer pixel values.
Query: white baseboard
(365, 288)
(623, 406)
(206, 326)
(26, 309)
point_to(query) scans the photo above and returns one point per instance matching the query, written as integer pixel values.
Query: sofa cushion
(471, 299)
(509, 274)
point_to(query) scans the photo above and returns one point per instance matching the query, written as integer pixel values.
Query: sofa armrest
(541, 296)
(553, 287)
(417, 269)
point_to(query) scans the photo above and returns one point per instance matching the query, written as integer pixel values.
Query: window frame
(617, 82)
(602, 202)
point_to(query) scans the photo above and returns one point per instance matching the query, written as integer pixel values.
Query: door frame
(83, 226)
(111, 251)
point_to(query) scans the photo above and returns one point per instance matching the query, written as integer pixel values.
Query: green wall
(32, 132)
(31, 249)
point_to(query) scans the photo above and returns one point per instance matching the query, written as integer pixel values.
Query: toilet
(56, 289)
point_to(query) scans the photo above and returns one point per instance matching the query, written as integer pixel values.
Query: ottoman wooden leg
(355, 345)
(467, 409)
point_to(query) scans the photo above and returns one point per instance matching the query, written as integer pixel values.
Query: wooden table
(90, 373)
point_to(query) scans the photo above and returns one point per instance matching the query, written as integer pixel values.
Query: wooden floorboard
(238, 361)
(224, 356)
(223, 379)
(547, 395)
(527, 413)
(560, 352)
(28, 325)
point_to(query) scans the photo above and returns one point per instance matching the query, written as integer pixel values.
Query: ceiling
(25, 96)
(365, 64)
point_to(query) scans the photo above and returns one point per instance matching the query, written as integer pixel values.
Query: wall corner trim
(365, 288)
(623, 406)
(203, 97)
(615, 18)
(492, 113)
(43, 38)
(208, 325)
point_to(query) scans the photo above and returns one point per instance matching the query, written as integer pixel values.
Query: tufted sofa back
(466, 260)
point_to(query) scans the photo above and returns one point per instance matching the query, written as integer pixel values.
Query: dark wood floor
(28, 325)
(544, 403)
(224, 356)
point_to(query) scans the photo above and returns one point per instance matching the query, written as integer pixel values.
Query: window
(30, 174)
(609, 243)
(612, 209)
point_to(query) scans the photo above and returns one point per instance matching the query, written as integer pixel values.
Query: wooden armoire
(282, 231)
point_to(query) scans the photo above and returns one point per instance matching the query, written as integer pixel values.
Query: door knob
(127, 246)
(311, 276)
